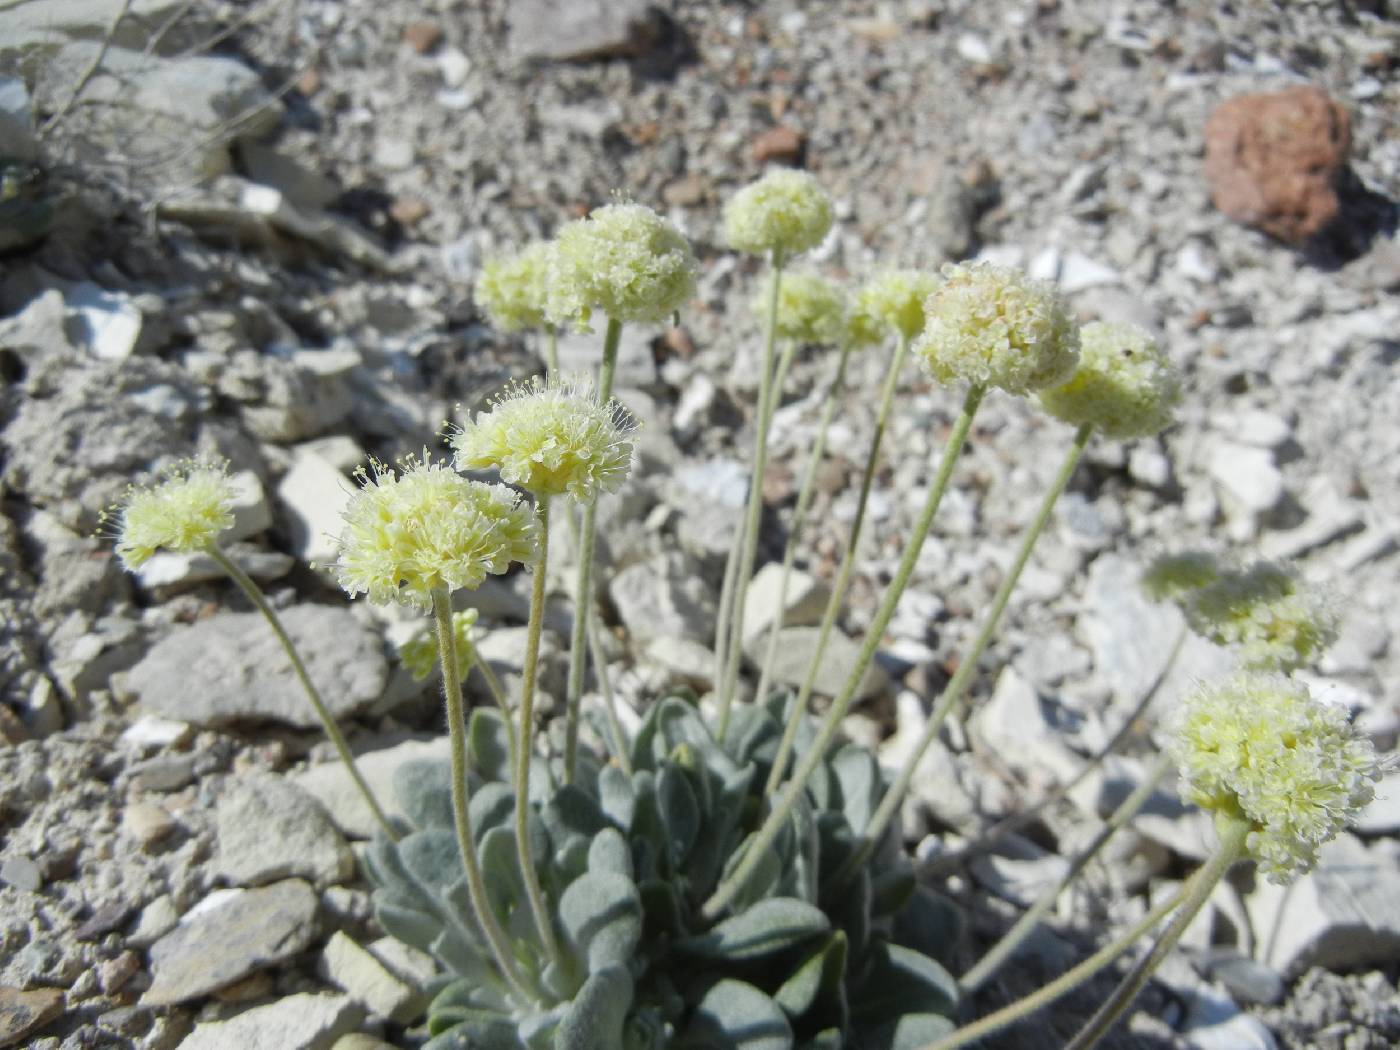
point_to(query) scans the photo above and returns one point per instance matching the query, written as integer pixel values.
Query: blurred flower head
(1124, 387)
(811, 309)
(513, 289)
(786, 212)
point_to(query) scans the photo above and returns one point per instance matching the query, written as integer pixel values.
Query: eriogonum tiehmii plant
(1266, 614)
(811, 308)
(1125, 386)
(784, 213)
(514, 289)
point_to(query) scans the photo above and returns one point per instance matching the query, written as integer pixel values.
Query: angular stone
(1342, 915)
(331, 785)
(1273, 160)
(688, 661)
(22, 1013)
(313, 493)
(229, 935)
(1014, 727)
(167, 571)
(22, 873)
(664, 596)
(805, 602)
(577, 30)
(298, 1022)
(271, 829)
(1247, 476)
(364, 978)
(797, 649)
(231, 668)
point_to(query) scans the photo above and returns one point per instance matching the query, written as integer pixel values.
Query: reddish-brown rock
(1273, 160)
(780, 143)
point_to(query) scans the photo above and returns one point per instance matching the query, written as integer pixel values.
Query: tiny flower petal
(551, 438)
(996, 327)
(623, 260)
(408, 533)
(1124, 387)
(512, 290)
(786, 211)
(811, 309)
(1260, 745)
(185, 511)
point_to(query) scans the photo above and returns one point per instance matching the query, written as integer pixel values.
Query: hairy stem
(255, 595)
(843, 575)
(551, 349)
(1233, 831)
(498, 694)
(529, 673)
(724, 613)
(583, 583)
(799, 519)
(1062, 985)
(967, 668)
(754, 508)
(457, 732)
(763, 839)
(1026, 924)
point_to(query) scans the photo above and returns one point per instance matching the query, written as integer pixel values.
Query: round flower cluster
(513, 289)
(184, 511)
(407, 534)
(895, 299)
(785, 212)
(624, 260)
(1265, 614)
(995, 327)
(811, 309)
(550, 438)
(1125, 386)
(419, 655)
(1174, 576)
(1260, 746)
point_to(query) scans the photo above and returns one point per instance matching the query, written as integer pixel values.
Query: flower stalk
(782, 809)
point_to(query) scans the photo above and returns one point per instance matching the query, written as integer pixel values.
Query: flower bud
(1124, 387)
(786, 212)
(895, 299)
(811, 309)
(512, 289)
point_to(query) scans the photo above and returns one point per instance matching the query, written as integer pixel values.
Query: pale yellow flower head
(995, 327)
(786, 211)
(184, 511)
(811, 309)
(1266, 614)
(551, 437)
(895, 299)
(1259, 746)
(1173, 577)
(1124, 387)
(420, 653)
(623, 260)
(513, 289)
(408, 533)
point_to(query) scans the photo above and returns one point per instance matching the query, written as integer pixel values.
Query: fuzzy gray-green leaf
(909, 1032)
(602, 915)
(424, 790)
(616, 796)
(901, 981)
(818, 978)
(769, 927)
(488, 745)
(931, 924)
(432, 858)
(608, 852)
(680, 812)
(859, 777)
(735, 1015)
(595, 1019)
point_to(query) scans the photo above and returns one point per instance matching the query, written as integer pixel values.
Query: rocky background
(252, 228)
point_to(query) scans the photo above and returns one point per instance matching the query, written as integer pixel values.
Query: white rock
(796, 651)
(1013, 725)
(108, 323)
(806, 600)
(1382, 816)
(693, 408)
(271, 829)
(454, 66)
(394, 154)
(1247, 476)
(17, 121)
(687, 660)
(1079, 272)
(168, 570)
(148, 731)
(1149, 465)
(974, 49)
(1343, 915)
(664, 596)
(298, 1022)
(344, 453)
(313, 493)
(331, 785)
(366, 980)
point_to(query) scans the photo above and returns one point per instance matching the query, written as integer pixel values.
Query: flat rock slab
(231, 934)
(24, 1012)
(270, 829)
(230, 668)
(580, 29)
(797, 647)
(331, 785)
(298, 1022)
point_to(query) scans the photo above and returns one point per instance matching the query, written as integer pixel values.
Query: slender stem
(551, 348)
(457, 731)
(259, 600)
(1026, 924)
(1062, 985)
(725, 611)
(529, 673)
(967, 668)
(754, 509)
(765, 835)
(600, 667)
(780, 371)
(498, 694)
(843, 576)
(1233, 831)
(799, 518)
(950, 861)
(583, 583)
